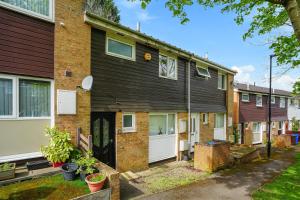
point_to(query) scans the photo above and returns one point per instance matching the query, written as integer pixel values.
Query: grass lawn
(51, 187)
(286, 186)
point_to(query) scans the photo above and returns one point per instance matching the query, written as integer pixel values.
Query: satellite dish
(87, 83)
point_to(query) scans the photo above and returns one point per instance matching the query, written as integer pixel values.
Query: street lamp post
(270, 110)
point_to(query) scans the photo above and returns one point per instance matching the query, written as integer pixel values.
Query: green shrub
(59, 147)
(86, 163)
(6, 166)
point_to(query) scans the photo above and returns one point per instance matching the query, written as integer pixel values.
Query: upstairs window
(259, 100)
(222, 80)
(245, 97)
(203, 72)
(282, 102)
(120, 49)
(273, 100)
(128, 122)
(167, 67)
(38, 8)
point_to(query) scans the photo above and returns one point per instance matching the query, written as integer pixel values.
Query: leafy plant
(295, 125)
(6, 166)
(86, 164)
(59, 147)
(75, 155)
(97, 178)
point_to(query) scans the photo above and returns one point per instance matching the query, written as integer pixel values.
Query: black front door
(103, 131)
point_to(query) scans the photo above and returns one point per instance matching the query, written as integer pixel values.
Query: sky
(213, 33)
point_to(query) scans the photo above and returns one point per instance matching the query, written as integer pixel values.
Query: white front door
(195, 130)
(220, 126)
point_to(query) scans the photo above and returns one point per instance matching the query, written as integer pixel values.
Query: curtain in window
(37, 6)
(157, 124)
(6, 97)
(219, 120)
(34, 98)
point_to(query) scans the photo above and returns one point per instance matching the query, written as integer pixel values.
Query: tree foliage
(268, 17)
(103, 8)
(296, 88)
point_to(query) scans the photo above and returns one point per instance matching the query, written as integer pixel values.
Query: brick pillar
(207, 130)
(229, 105)
(72, 52)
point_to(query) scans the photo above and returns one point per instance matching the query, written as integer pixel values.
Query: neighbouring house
(147, 95)
(251, 112)
(293, 110)
(26, 77)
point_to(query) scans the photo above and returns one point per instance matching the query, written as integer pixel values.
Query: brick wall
(132, 149)
(229, 105)
(72, 52)
(207, 130)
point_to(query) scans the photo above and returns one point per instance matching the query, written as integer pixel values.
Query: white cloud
(244, 73)
(144, 16)
(284, 82)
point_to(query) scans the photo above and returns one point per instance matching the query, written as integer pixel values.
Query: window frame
(14, 97)
(15, 115)
(203, 75)
(280, 125)
(260, 127)
(273, 102)
(261, 104)
(133, 125)
(167, 123)
(243, 93)
(176, 66)
(224, 87)
(280, 105)
(31, 13)
(224, 120)
(205, 118)
(132, 58)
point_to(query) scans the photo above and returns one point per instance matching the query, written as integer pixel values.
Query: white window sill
(175, 79)
(246, 101)
(260, 106)
(128, 130)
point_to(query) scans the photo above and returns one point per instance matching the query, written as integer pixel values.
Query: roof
(90, 19)
(259, 89)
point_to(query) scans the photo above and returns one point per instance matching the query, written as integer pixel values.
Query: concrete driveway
(237, 183)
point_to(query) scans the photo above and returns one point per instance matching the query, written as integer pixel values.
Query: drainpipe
(189, 103)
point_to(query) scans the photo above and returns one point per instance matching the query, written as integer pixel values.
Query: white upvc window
(24, 97)
(282, 102)
(205, 118)
(202, 71)
(128, 124)
(281, 125)
(219, 120)
(161, 124)
(273, 99)
(120, 49)
(259, 100)
(256, 127)
(245, 97)
(43, 9)
(222, 81)
(273, 125)
(167, 67)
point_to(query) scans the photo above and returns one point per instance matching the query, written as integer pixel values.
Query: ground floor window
(281, 125)
(128, 122)
(219, 120)
(256, 127)
(161, 124)
(22, 97)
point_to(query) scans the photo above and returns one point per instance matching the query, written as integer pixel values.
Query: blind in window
(6, 97)
(34, 98)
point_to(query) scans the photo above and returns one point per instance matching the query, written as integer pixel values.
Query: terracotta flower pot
(57, 164)
(95, 186)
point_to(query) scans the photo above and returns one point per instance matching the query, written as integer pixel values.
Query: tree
(296, 88)
(103, 8)
(268, 17)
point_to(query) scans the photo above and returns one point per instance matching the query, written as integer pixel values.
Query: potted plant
(7, 171)
(86, 165)
(95, 181)
(59, 147)
(69, 171)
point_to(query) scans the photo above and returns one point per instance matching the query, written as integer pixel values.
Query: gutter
(102, 23)
(189, 104)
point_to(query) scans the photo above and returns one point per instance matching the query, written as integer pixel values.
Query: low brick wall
(113, 180)
(211, 157)
(282, 141)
